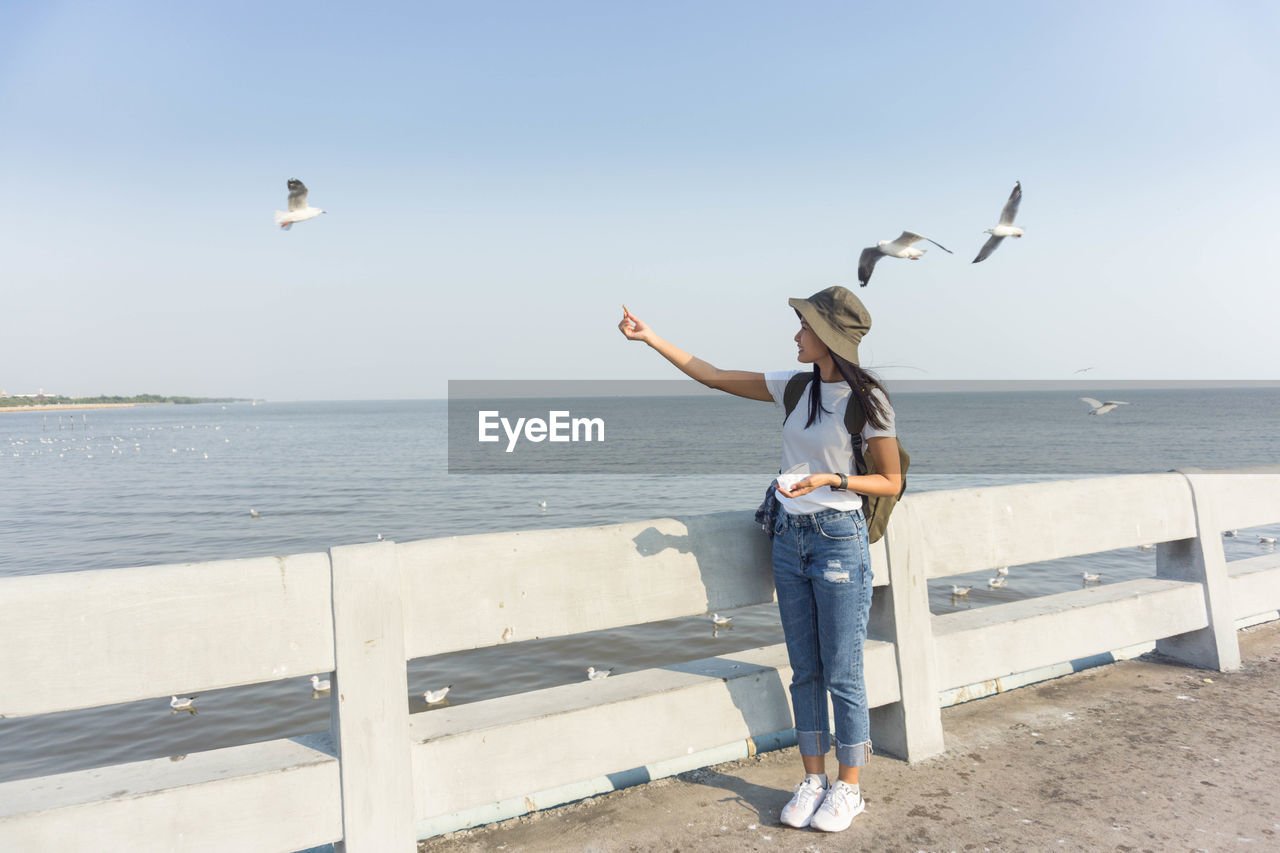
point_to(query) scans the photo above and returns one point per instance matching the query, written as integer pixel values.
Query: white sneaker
(803, 804)
(840, 806)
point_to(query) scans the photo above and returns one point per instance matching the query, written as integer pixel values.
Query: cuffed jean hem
(813, 743)
(852, 755)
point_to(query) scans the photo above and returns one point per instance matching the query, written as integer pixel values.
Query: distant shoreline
(58, 407)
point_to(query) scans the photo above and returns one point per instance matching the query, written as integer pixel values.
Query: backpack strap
(794, 391)
(854, 420)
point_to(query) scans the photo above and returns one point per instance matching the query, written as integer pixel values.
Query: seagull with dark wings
(903, 247)
(1006, 228)
(299, 210)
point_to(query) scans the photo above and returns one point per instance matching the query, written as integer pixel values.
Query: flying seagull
(1101, 408)
(1006, 228)
(903, 247)
(299, 210)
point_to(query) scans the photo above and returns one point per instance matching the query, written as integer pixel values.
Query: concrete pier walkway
(1142, 755)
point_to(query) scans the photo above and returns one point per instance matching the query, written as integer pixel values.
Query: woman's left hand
(808, 484)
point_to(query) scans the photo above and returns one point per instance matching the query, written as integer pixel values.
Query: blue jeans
(822, 572)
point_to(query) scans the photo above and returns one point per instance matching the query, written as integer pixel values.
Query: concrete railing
(383, 777)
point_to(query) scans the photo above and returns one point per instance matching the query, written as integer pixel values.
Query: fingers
(629, 325)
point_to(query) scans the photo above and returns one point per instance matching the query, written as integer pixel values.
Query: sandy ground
(1142, 755)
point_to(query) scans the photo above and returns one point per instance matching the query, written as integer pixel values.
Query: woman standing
(821, 560)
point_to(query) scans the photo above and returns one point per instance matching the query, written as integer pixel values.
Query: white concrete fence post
(1202, 560)
(910, 728)
(370, 700)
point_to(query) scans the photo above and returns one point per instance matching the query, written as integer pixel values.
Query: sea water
(100, 489)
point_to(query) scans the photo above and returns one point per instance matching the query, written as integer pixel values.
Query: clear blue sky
(500, 176)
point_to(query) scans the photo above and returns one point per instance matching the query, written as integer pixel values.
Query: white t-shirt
(826, 445)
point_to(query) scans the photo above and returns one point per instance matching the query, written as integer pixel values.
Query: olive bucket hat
(837, 317)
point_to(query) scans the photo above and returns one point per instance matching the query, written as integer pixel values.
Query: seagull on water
(960, 591)
(1002, 571)
(594, 674)
(1101, 408)
(1230, 534)
(299, 210)
(1266, 540)
(903, 247)
(1006, 228)
(184, 703)
(717, 619)
(1091, 577)
(433, 697)
(253, 513)
(318, 686)
(996, 582)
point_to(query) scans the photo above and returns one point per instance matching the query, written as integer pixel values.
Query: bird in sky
(903, 247)
(299, 210)
(433, 697)
(1006, 228)
(1101, 408)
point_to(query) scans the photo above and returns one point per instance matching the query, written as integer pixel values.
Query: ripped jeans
(822, 572)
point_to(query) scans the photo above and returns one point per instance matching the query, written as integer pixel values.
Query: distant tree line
(59, 400)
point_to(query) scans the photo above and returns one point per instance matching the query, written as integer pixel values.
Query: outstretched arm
(742, 383)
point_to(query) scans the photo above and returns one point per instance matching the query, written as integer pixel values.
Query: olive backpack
(875, 508)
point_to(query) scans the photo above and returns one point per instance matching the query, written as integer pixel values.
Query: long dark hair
(861, 382)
